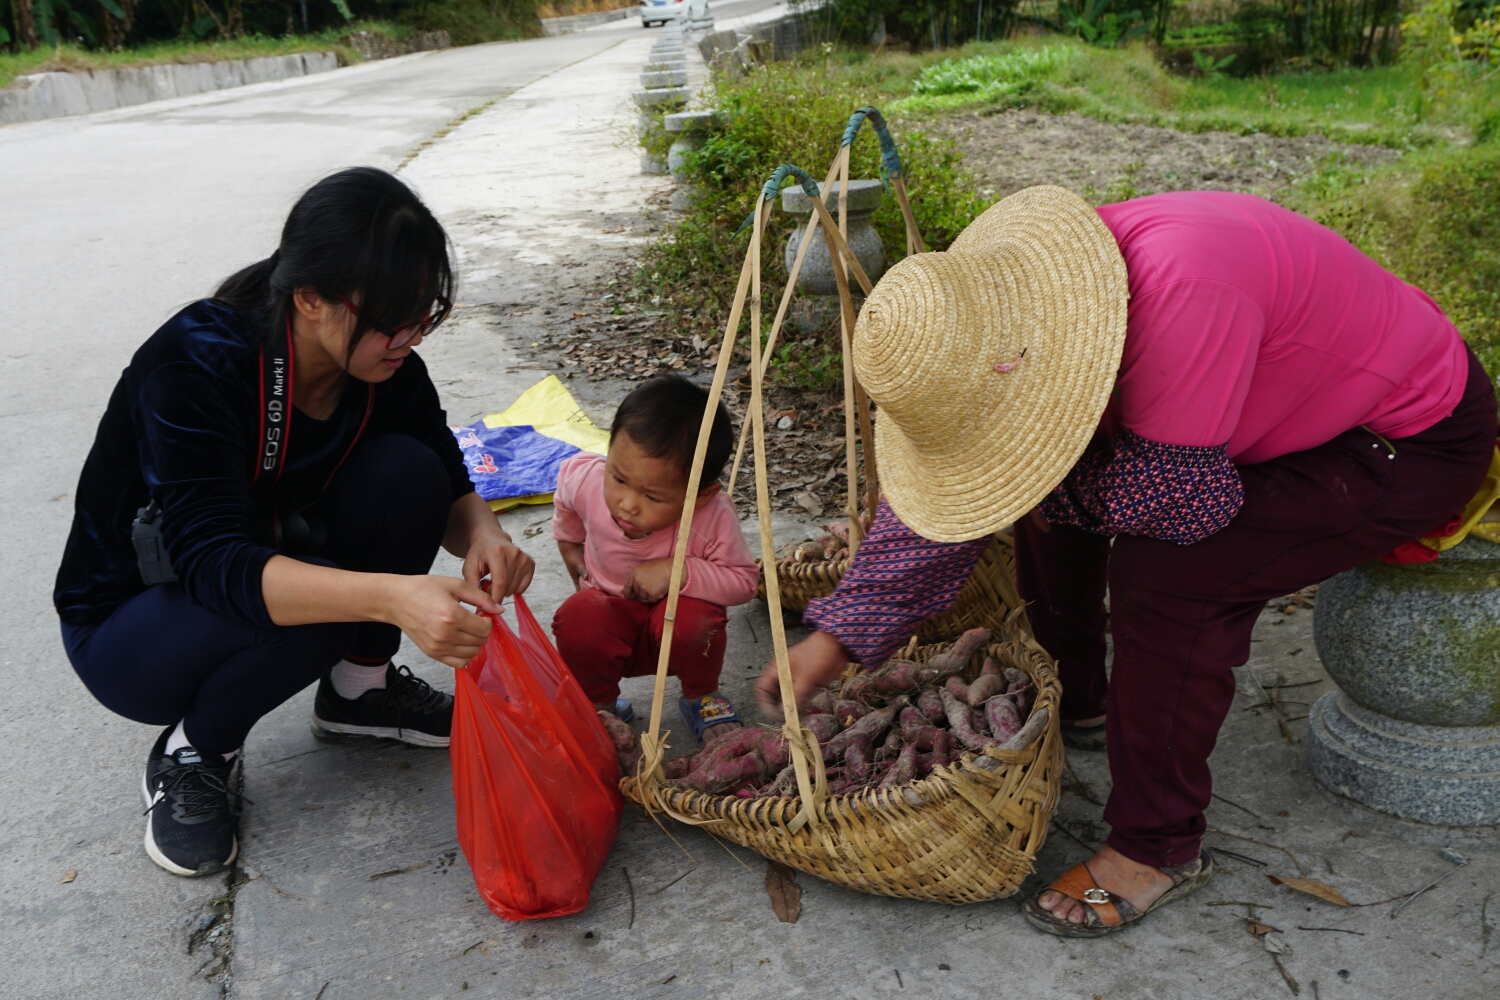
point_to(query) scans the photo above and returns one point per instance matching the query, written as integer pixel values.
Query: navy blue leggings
(161, 658)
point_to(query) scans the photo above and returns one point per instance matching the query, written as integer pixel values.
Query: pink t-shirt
(719, 567)
(1252, 325)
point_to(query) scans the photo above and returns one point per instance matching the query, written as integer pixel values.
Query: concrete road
(108, 224)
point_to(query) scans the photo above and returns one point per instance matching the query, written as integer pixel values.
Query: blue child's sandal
(701, 713)
(624, 709)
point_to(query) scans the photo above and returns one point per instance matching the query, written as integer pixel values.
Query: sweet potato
(627, 743)
(871, 725)
(848, 712)
(820, 703)
(961, 726)
(784, 783)
(989, 683)
(1001, 715)
(904, 770)
(722, 775)
(930, 704)
(955, 687)
(857, 758)
(916, 730)
(677, 767)
(1022, 692)
(953, 660)
(824, 727)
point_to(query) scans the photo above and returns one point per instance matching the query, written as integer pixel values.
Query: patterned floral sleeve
(897, 579)
(1177, 493)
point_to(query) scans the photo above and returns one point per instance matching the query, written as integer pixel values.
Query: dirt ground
(1105, 162)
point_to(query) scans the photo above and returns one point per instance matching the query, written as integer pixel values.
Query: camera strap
(277, 359)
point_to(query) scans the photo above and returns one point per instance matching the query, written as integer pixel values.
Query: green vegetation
(1433, 217)
(114, 25)
(792, 112)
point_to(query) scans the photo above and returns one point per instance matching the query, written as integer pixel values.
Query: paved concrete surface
(355, 884)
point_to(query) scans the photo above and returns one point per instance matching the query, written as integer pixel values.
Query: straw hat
(992, 362)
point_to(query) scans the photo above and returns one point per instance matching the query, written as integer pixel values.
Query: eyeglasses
(403, 335)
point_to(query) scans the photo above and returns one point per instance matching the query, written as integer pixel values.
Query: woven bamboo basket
(964, 834)
(988, 597)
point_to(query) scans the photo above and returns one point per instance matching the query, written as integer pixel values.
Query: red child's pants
(603, 638)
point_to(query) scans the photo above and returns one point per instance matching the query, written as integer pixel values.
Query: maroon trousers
(1181, 615)
(603, 638)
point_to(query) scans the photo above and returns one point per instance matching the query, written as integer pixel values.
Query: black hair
(662, 417)
(357, 231)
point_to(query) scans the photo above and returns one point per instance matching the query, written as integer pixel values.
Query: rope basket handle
(853, 396)
(807, 758)
(891, 169)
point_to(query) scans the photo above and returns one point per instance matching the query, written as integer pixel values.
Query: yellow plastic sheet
(1476, 509)
(550, 409)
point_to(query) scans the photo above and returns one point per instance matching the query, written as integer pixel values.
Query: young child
(616, 520)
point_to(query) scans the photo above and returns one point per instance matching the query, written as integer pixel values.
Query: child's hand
(648, 583)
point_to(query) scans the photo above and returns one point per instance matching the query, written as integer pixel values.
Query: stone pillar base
(1449, 776)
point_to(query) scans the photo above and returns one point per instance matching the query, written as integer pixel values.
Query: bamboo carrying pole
(807, 759)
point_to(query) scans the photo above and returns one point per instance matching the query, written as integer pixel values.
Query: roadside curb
(38, 96)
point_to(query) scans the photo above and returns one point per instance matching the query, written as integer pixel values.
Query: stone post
(1414, 728)
(690, 128)
(817, 303)
(697, 17)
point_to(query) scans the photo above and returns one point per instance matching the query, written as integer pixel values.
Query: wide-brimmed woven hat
(992, 362)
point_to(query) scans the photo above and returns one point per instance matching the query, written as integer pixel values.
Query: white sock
(179, 739)
(350, 680)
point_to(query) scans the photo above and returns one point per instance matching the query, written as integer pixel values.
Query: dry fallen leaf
(785, 893)
(1313, 887)
(1257, 928)
(70, 874)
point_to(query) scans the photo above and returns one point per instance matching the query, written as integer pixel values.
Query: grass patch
(73, 58)
(1384, 105)
(1435, 222)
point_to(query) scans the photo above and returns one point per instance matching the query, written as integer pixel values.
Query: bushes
(1435, 222)
(112, 24)
(792, 112)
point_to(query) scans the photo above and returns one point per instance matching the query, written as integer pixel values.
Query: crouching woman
(263, 501)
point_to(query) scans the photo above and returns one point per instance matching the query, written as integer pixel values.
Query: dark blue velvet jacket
(182, 426)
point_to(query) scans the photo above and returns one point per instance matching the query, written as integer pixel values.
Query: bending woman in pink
(1199, 400)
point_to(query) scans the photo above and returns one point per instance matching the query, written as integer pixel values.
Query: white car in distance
(661, 11)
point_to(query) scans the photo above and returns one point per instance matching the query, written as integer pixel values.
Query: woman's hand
(492, 554)
(427, 609)
(816, 662)
(649, 581)
(476, 537)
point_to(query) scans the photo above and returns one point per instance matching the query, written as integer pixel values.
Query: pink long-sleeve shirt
(719, 567)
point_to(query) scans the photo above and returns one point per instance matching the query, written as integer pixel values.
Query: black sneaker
(190, 825)
(406, 709)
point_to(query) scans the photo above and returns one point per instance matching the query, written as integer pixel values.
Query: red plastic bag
(535, 776)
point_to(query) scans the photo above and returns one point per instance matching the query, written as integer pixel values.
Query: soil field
(1105, 162)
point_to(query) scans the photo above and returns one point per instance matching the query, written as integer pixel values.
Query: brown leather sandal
(1107, 912)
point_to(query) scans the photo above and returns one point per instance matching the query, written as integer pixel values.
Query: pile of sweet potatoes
(881, 728)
